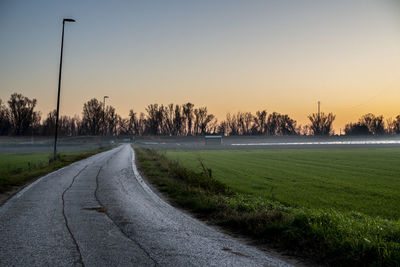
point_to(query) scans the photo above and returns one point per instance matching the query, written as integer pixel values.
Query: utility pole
(319, 113)
(59, 87)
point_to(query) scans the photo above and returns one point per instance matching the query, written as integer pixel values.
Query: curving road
(99, 212)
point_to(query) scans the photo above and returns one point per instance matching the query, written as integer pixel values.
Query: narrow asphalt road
(99, 212)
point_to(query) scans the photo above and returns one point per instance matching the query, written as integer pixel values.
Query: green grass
(326, 235)
(13, 163)
(364, 180)
(18, 169)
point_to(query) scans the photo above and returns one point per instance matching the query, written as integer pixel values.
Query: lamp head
(68, 20)
(106, 96)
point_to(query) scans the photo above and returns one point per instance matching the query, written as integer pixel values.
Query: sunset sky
(230, 56)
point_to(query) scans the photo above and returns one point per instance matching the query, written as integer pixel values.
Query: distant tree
(178, 121)
(208, 125)
(187, 110)
(123, 126)
(280, 124)
(390, 129)
(111, 119)
(154, 119)
(260, 122)
(287, 126)
(142, 124)
(212, 126)
(305, 130)
(92, 117)
(5, 123)
(245, 122)
(197, 118)
(49, 124)
(321, 124)
(232, 124)
(67, 126)
(272, 126)
(368, 124)
(169, 119)
(202, 119)
(374, 123)
(356, 129)
(22, 116)
(133, 127)
(223, 128)
(396, 125)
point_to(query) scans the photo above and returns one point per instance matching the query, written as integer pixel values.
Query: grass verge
(16, 170)
(328, 236)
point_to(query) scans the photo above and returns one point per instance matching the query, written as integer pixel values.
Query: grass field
(364, 180)
(13, 163)
(18, 169)
(304, 201)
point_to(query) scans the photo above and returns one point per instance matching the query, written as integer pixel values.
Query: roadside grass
(18, 169)
(329, 236)
(364, 180)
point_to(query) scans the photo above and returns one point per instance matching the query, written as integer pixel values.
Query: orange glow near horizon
(229, 56)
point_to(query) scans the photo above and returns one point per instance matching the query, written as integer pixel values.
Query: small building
(213, 139)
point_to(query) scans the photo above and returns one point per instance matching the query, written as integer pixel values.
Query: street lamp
(104, 114)
(59, 87)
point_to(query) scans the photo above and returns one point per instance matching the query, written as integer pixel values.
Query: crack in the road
(106, 213)
(65, 217)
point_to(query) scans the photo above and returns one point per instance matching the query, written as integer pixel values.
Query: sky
(230, 56)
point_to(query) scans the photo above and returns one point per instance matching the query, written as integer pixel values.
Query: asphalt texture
(100, 212)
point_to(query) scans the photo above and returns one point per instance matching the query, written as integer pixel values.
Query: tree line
(18, 117)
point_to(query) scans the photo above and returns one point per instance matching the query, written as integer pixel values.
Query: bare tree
(212, 126)
(208, 124)
(202, 119)
(49, 124)
(356, 129)
(133, 127)
(260, 122)
(374, 123)
(223, 128)
(245, 121)
(123, 126)
(66, 125)
(232, 125)
(154, 119)
(396, 123)
(287, 126)
(280, 124)
(321, 123)
(141, 124)
(393, 126)
(187, 110)
(169, 119)
(272, 126)
(5, 123)
(23, 118)
(178, 121)
(111, 119)
(92, 116)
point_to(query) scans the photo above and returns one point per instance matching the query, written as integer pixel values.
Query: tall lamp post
(59, 87)
(104, 114)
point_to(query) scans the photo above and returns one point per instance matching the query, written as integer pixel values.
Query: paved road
(99, 212)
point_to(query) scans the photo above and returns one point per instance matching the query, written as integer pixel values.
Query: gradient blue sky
(227, 55)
